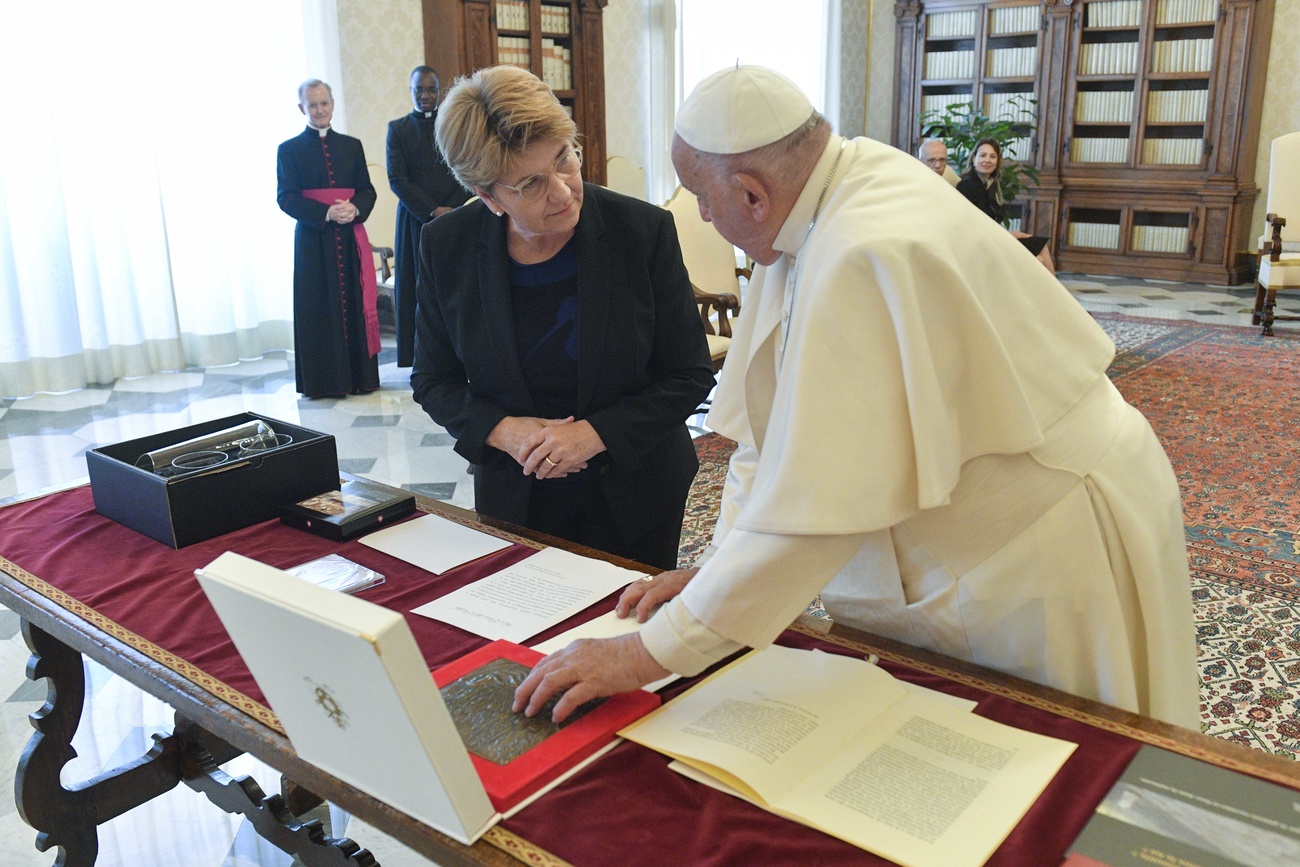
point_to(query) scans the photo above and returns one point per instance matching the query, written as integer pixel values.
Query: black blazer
(644, 360)
(972, 187)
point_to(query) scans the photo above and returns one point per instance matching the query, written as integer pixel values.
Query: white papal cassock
(926, 434)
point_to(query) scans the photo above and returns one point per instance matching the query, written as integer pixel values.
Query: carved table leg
(268, 814)
(68, 818)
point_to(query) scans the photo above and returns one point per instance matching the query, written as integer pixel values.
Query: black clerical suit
(331, 354)
(422, 183)
(643, 363)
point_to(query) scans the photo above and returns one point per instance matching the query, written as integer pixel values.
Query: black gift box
(356, 507)
(198, 505)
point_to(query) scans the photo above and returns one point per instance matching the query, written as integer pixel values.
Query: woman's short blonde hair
(491, 117)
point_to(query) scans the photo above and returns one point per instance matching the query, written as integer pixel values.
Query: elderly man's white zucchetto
(741, 108)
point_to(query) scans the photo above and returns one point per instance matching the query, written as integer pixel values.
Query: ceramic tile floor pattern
(385, 436)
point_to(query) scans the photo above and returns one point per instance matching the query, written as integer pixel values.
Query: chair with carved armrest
(386, 303)
(711, 263)
(1279, 248)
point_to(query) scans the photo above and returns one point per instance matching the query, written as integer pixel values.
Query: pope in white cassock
(925, 432)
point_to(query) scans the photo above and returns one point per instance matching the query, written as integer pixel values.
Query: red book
(477, 690)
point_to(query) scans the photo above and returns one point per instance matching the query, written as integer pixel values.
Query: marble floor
(385, 436)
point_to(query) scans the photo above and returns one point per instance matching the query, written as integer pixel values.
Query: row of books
(950, 64)
(1159, 239)
(557, 65)
(1177, 106)
(515, 50)
(1182, 55)
(1186, 11)
(555, 19)
(512, 15)
(1108, 58)
(1008, 62)
(1103, 106)
(1009, 106)
(940, 101)
(1104, 236)
(951, 25)
(1172, 151)
(1114, 13)
(1099, 150)
(1013, 19)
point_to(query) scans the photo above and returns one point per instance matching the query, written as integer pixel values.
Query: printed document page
(838, 744)
(532, 595)
(434, 543)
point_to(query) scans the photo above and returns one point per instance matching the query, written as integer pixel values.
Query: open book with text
(838, 744)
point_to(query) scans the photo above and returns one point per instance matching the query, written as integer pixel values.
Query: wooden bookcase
(561, 41)
(1148, 122)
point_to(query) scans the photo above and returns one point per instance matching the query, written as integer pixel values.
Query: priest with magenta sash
(324, 185)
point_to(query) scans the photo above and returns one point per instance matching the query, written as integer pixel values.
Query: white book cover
(352, 691)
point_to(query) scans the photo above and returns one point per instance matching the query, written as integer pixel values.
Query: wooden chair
(1279, 247)
(711, 263)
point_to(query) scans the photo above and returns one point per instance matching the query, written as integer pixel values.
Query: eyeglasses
(937, 162)
(435, 90)
(531, 188)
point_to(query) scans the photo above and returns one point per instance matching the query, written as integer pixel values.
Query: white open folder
(352, 691)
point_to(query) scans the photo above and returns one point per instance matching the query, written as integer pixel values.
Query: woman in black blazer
(981, 184)
(557, 338)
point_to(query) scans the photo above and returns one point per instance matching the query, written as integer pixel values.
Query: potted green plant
(960, 124)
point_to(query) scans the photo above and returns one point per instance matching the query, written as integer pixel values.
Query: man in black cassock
(324, 185)
(425, 188)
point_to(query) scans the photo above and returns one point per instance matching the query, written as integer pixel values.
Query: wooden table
(210, 731)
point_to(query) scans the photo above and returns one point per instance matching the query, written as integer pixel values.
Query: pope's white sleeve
(753, 588)
(735, 492)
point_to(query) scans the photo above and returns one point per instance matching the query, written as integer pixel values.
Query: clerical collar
(320, 132)
(795, 229)
(427, 113)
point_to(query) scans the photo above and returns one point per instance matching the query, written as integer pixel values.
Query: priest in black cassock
(324, 185)
(425, 188)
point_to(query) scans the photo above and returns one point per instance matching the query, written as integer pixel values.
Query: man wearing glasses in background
(425, 188)
(934, 154)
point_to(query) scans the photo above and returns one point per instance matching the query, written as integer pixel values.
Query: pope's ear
(757, 198)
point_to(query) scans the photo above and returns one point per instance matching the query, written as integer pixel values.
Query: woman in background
(981, 184)
(557, 337)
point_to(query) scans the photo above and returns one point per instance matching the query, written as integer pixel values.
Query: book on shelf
(1013, 19)
(836, 743)
(951, 25)
(1172, 151)
(1177, 106)
(512, 14)
(1103, 236)
(949, 64)
(1186, 11)
(1108, 58)
(1011, 62)
(356, 507)
(1104, 106)
(1114, 13)
(1159, 239)
(1182, 55)
(1171, 809)
(1099, 150)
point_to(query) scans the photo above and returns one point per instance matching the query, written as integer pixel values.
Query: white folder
(352, 691)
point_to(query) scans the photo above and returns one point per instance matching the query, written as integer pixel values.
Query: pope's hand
(646, 595)
(586, 669)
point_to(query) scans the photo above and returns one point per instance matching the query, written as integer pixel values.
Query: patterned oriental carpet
(1225, 403)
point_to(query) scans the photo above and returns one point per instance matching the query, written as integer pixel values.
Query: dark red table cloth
(626, 809)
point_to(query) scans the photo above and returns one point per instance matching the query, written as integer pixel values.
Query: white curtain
(138, 225)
